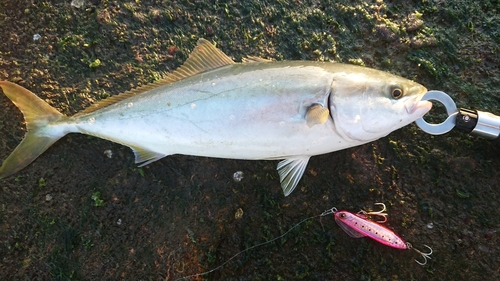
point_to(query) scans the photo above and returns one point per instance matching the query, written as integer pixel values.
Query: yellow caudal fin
(38, 116)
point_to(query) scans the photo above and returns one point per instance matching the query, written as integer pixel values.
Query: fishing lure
(359, 225)
(356, 225)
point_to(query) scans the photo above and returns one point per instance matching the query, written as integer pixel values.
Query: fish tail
(40, 119)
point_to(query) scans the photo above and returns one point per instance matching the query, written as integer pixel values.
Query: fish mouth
(417, 106)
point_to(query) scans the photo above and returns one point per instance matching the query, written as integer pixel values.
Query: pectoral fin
(291, 171)
(316, 115)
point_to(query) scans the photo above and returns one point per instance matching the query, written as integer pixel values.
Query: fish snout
(417, 106)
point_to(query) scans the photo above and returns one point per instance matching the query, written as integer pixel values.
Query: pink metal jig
(358, 225)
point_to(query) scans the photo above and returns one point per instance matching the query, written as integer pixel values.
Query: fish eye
(342, 215)
(396, 92)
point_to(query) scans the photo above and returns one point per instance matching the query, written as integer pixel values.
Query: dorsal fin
(204, 57)
(250, 59)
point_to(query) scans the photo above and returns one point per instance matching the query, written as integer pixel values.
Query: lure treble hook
(380, 213)
(424, 255)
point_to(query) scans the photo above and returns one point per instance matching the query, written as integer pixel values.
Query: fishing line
(327, 212)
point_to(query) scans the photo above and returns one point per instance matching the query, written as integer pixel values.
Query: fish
(254, 110)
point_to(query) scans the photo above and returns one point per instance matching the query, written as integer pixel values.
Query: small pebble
(77, 3)
(413, 23)
(385, 33)
(239, 213)
(108, 153)
(238, 176)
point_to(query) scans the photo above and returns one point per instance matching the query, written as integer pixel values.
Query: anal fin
(291, 171)
(145, 156)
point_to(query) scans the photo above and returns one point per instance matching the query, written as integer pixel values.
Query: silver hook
(424, 255)
(380, 213)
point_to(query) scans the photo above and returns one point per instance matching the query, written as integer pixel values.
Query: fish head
(367, 104)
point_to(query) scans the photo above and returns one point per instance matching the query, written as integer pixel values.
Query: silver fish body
(239, 111)
(254, 110)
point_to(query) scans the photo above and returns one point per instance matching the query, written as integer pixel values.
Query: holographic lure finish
(357, 226)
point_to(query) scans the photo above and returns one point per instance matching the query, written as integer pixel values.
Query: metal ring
(451, 109)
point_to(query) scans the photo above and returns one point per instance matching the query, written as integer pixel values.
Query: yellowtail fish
(212, 106)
